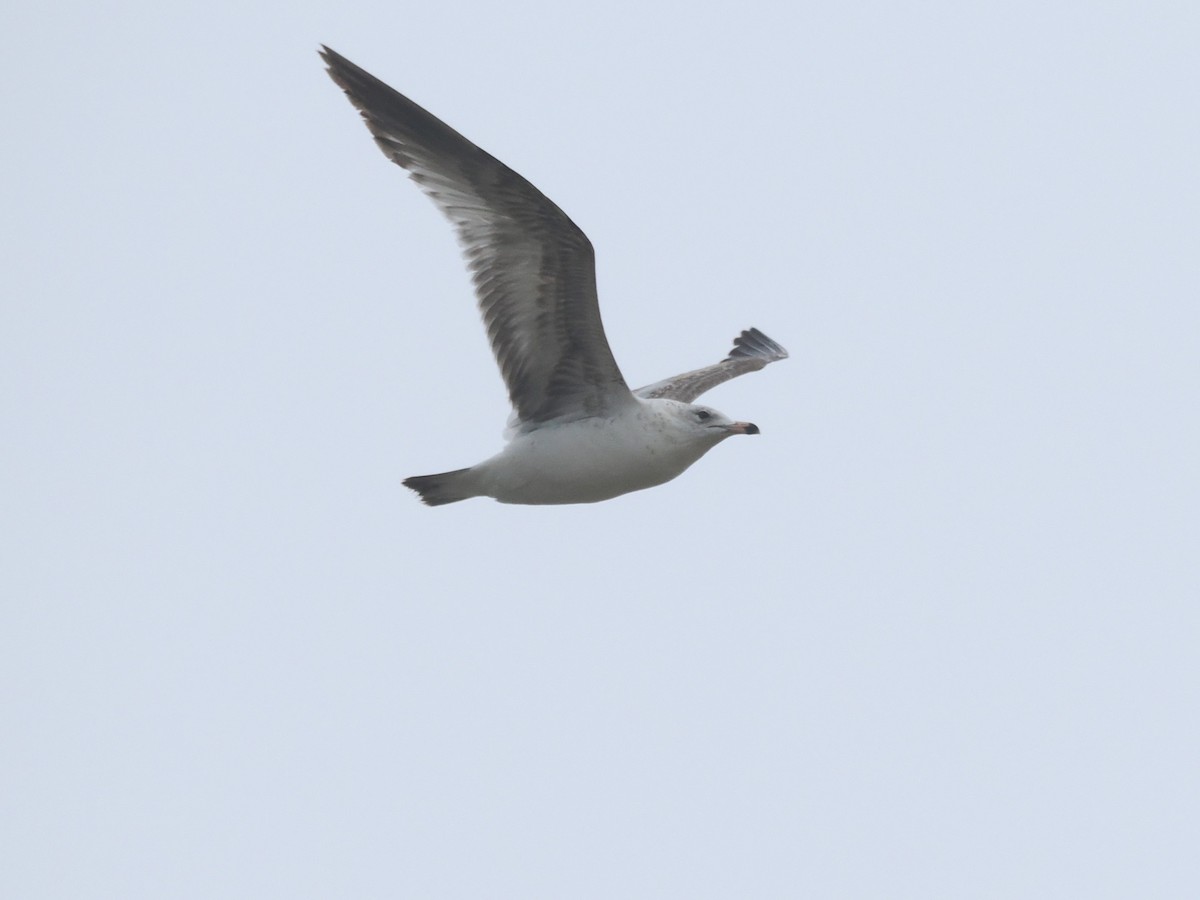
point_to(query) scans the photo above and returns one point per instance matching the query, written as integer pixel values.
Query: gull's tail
(446, 487)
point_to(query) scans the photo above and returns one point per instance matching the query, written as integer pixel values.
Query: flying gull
(578, 434)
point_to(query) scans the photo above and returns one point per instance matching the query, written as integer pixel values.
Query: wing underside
(533, 268)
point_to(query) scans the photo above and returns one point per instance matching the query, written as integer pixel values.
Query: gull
(577, 433)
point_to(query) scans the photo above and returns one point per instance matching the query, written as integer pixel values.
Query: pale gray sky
(933, 634)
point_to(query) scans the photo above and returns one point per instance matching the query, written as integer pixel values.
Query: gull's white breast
(591, 459)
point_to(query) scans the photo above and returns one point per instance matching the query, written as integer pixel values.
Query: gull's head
(703, 424)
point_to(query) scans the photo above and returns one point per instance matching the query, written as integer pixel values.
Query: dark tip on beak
(751, 428)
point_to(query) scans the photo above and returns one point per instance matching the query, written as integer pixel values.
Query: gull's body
(597, 458)
(578, 433)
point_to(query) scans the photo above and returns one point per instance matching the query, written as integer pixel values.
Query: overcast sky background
(933, 634)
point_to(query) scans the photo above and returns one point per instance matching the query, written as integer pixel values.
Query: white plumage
(579, 435)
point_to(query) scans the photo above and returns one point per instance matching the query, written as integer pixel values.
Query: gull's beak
(743, 428)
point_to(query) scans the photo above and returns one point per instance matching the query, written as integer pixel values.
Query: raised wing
(533, 268)
(751, 351)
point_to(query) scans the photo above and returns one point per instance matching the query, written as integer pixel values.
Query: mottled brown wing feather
(752, 350)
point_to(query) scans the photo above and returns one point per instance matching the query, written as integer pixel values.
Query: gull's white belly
(586, 461)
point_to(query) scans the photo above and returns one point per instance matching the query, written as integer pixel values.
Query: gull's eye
(703, 415)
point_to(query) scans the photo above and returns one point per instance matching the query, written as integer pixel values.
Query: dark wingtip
(754, 344)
